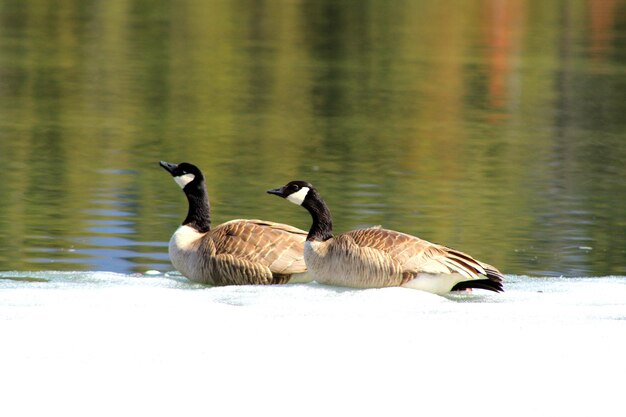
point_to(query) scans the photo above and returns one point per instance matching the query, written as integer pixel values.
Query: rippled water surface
(494, 127)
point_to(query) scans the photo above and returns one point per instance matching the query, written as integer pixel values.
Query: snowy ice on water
(97, 343)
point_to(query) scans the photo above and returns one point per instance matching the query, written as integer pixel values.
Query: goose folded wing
(418, 255)
(277, 246)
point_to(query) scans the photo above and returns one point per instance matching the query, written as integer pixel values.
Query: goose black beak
(168, 167)
(276, 191)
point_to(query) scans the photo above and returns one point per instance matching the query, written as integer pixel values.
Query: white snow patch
(95, 343)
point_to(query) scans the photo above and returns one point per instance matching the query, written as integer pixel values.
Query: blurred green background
(494, 127)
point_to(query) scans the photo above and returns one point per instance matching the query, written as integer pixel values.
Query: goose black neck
(322, 227)
(199, 213)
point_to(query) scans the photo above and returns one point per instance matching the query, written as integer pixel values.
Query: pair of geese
(241, 252)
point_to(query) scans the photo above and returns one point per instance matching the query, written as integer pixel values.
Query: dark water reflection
(494, 127)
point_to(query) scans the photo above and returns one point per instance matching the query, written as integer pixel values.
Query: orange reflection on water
(504, 23)
(602, 15)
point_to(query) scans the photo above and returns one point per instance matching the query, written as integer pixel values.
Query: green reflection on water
(493, 127)
(25, 279)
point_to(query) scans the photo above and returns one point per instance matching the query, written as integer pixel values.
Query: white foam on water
(96, 343)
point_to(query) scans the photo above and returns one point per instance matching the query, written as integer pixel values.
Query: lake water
(496, 128)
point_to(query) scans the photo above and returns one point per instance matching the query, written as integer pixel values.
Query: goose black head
(295, 191)
(183, 173)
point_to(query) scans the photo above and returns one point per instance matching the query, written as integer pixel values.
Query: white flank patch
(299, 196)
(183, 180)
(435, 283)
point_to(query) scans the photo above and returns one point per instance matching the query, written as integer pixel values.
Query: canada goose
(377, 257)
(238, 252)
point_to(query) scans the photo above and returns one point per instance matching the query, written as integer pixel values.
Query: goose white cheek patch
(299, 196)
(184, 179)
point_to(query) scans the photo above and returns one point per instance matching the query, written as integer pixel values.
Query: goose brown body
(238, 252)
(377, 257)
